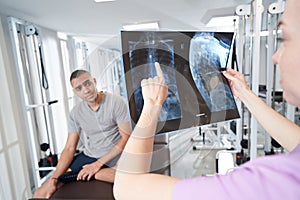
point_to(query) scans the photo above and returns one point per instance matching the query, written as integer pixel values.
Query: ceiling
(104, 20)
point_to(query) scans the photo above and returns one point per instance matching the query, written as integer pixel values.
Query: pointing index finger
(158, 70)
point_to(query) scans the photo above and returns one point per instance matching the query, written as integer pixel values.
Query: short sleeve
(73, 126)
(120, 112)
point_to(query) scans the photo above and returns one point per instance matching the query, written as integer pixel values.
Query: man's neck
(95, 105)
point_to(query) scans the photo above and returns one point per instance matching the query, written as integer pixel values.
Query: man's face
(288, 54)
(84, 86)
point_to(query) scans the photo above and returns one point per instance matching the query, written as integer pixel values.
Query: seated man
(101, 123)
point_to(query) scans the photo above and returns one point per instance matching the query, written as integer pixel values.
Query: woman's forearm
(137, 154)
(280, 128)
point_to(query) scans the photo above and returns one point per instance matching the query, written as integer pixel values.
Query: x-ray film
(192, 62)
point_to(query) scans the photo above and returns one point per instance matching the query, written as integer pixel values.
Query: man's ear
(95, 81)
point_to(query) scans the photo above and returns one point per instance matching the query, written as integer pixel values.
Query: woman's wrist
(149, 105)
(248, 94)
(151, 102)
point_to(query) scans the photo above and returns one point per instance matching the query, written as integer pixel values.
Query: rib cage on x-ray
(207, 56)
(143, 54)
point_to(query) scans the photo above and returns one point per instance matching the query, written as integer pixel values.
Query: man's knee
(106, 174)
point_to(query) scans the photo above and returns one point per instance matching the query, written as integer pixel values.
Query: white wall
(104, 64)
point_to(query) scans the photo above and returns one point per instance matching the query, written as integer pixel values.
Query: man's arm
(280, 128)
(132, 178)
(90, 169)
(67, 155)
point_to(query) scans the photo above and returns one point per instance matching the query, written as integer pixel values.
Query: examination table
(87, 190)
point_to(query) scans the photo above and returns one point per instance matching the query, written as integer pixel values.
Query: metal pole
(273, 11)
(244, 11)
(257, 18)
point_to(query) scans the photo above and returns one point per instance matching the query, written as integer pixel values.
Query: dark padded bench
(100, 190)
(85, 190)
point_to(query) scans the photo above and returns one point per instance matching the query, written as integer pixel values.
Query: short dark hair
(77, 73)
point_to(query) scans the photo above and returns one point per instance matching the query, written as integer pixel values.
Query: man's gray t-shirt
(99, 129)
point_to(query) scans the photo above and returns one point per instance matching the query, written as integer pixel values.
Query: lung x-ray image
(192, 62)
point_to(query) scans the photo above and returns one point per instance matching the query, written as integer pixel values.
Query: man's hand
(89, 170)
(47, 189)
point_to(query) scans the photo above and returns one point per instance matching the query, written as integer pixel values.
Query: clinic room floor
(199, 159)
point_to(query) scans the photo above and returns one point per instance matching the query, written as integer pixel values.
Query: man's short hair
(77, 73)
